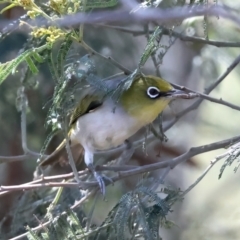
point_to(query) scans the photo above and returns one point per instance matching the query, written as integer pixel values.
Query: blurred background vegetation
(210, 210)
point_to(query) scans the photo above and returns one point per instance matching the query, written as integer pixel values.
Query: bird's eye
(153, 92)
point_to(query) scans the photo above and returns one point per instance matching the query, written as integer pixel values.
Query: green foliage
(32, 235)
(64, 98)
(29, 56)
(65, 227)
(151, 46)
(138, 214)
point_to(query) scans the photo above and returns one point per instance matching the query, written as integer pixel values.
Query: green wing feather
(88, 103)
(92, 99)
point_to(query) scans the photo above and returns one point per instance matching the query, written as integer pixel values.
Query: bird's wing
(93, 98)
(87, 104)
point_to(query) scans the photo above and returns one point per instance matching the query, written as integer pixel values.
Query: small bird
(101, 123)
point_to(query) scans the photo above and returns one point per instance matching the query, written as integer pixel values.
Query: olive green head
(147, 97)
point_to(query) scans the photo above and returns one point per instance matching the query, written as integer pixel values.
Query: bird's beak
(175, 93)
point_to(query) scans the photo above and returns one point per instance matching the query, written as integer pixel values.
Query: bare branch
(147, 168)
(212, 163)
(158, 15)
(169, 32)
(207, 97)
(200, 40)
(41, 226)
(30, 155)
(197, 103)
(23, 119)
(108, 59)
(180, 159)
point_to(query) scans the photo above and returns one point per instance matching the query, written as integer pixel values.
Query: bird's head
(147, 97)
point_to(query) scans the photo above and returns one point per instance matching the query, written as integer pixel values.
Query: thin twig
(147, 14)
(180, 159)
(109, 59)
(43, 225)
(71, 162)
(200, 40)
(30, 155)
(23, 105)
(212, 163)
(207, 97)
(147, 168)
(23, 120)
(169, 32)
(197, 103)
(46, 179)
(82, 200)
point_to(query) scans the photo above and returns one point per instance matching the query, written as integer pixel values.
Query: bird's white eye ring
(153, 92)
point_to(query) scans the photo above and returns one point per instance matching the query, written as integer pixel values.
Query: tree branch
(207, 97)
(212, 163)
(169, 32)
(123, 174)
(158, 15)
(197, 103)
(180, 159)
(30, 155)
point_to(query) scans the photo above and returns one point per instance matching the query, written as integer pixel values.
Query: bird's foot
(101, 179)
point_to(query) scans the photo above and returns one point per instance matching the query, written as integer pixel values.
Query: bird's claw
(101, 179)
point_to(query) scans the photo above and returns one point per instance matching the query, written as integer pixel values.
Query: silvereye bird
(101, 123)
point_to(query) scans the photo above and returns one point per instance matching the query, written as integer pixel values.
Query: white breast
(106, 127)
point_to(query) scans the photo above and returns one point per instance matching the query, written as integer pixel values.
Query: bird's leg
(126, 154)
(98, 176)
